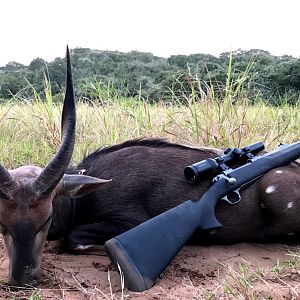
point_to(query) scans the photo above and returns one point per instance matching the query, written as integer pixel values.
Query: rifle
(144, 251)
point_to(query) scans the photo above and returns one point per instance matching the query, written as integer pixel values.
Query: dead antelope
(147, 179)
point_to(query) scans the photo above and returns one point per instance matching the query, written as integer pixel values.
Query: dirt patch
(242, 271)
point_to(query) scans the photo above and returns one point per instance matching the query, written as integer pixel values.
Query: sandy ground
(242, 271)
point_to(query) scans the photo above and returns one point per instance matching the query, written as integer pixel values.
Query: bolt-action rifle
(146, 250)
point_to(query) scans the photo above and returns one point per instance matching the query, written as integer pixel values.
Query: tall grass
(30, 127)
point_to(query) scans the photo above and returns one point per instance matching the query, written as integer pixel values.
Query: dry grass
(28, 135)
(245, 281)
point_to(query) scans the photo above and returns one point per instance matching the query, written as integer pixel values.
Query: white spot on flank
(79, 247)
(270, 189)
(290, 205)
(279, 172)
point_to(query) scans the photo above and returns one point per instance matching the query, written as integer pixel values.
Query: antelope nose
(29, 276)
(24, 282)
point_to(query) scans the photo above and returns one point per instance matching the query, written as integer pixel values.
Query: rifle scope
(206, 169)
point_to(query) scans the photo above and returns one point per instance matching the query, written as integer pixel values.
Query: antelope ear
(79, 185)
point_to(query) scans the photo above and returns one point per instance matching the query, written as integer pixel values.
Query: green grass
(36, 295)
(30, 128)
(29, 135)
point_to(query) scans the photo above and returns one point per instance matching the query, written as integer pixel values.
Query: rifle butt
(135, 281)
(144, 251)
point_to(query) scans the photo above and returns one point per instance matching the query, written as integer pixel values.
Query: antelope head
(26, 196)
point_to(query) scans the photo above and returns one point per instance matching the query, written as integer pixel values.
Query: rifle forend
(146, 250)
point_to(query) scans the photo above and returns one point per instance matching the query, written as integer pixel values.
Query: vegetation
(30, 130)
(111, 110)
(143, 75)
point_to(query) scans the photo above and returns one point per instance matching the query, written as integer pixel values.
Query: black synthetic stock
(146, 250)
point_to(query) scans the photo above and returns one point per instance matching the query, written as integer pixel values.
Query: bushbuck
(140, 179)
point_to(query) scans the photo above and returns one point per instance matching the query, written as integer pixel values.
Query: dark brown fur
(147, 179)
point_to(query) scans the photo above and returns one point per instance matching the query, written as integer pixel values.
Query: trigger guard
(236, 193)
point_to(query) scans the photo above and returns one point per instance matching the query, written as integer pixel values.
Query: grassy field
(30, 130)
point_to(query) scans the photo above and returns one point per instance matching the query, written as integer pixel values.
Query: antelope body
(147, 179)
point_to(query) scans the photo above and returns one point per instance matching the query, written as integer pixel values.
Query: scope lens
(191, 174)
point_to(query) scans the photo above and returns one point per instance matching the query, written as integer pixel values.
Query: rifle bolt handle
(231, 181)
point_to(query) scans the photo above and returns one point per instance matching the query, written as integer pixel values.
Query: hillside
(145, 75)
